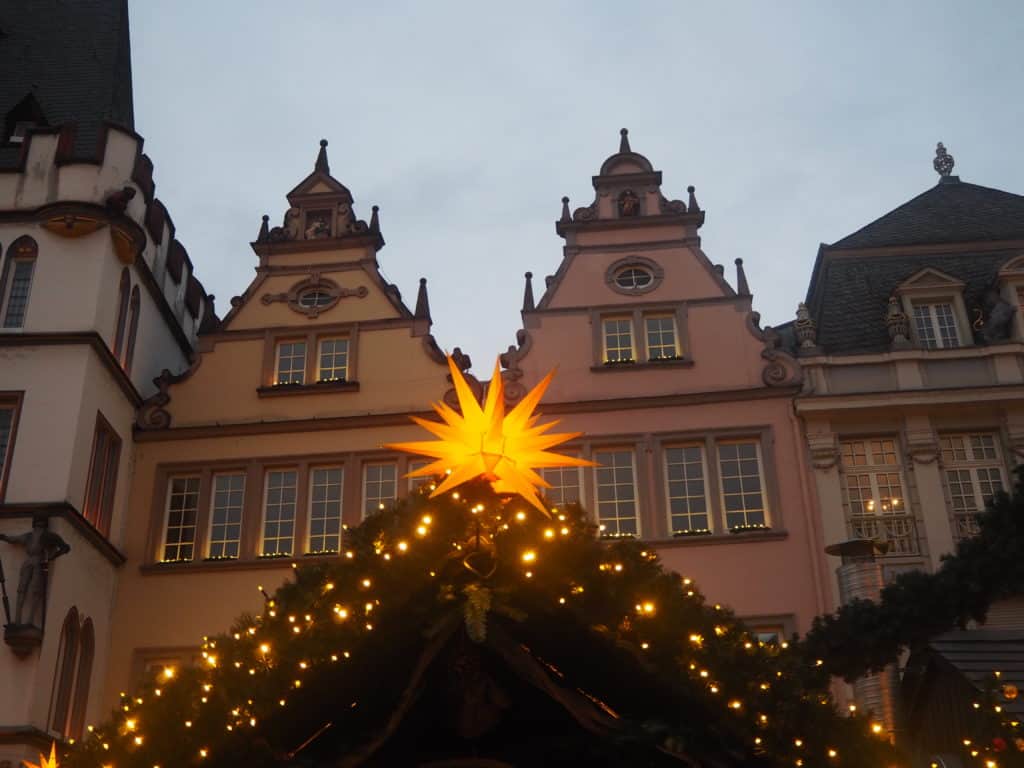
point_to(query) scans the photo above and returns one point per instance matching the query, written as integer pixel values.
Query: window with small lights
(616, 493)
(380, 486)
(874, 495)
(325, 500)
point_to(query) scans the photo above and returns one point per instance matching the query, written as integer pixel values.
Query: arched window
(80, 700)
(16, 282)
(64, 676)
(122, 312)
(133, 329)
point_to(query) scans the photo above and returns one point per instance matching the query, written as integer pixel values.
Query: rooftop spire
(321, 158)
(624, 141)
(943, 162)
(741, 279)
(565, 210)
(528, 305)
(422, 304)
(264, 234)
(692, 206)
(375, 218)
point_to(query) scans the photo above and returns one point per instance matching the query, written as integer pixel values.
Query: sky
(466, 122)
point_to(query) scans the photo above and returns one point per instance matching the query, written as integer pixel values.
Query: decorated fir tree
(474, 624)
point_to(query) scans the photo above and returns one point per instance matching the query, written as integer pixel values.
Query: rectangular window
(379, 487)
(873, 494)
(333, 360)
(17, 295)
(226, 516)
(325, 486)
(182, 509)
(616, 493)
(99, 491)
(770, 634)
(740, 469)
(279, 513)
(687, 491)
(974, 474)
(291, 362)
(8, 423)
(661, 337)
(565, 485)
(936, 325)
(618, 339)
(418, 482)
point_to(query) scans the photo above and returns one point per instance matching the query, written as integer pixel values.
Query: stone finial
(566, 216)
(321, 158)
(692, 206)
(943, 162)
(742, 288)
(422, 303)
(528, 305)
(806, 328)
(264, 234)
(898, 323)
(624, 141)
(375, 219)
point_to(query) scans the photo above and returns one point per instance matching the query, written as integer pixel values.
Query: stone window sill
(711, 539)
(279, 390)
(673, 362)
(233, 564)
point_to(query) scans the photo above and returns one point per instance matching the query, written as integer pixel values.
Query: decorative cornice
(85, 338)
(65, 511)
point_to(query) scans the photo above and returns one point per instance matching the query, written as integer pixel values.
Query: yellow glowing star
(43, 762)
(505, 449)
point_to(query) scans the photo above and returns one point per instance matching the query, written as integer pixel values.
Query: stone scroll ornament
(42, 546)
(506, 449)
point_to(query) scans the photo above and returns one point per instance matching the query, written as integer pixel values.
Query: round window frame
(634, 262)
(329, 297)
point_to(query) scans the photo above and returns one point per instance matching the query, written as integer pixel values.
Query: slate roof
(849, 292)
(75, 57)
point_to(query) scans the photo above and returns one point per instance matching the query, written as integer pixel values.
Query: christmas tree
(474, 624)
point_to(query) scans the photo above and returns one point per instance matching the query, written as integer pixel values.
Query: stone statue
(629, 203)
(42, 546)
(998, 324)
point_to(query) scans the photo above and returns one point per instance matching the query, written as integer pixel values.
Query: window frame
(766, 501)
(581, 485)
(709, 508)
(99, 513)
(320, 341)
(935, 324)
(637, 512)
(616, 318)
(134, 308)
(23, 249)
(308, 547)
(637, 315)
(366, 464)
(211, 511)
(677, 352)
(311, 371)
(970, 465)
(302, 371)
(121, 325)
(165, 527)
(265, 502)
(13, 400)
(931, 286)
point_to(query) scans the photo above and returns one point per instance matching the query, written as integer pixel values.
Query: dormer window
(934, 303)
(935, 323)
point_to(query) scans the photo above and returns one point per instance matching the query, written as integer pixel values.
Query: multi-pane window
(325, 509)
(99, 491)
(633, 278)
(687, 492)
(618, 339)
(418, 482)
(379, 486)
(291, 362)
(661, 337)
(226, 516)
(16, 300)
(876, 506)
(7, 413)
(739, 466)
(616, 493)
(333, 360)
(936, 325)
(565, 485)
(279, 513)
(973, 469)
(182, 509)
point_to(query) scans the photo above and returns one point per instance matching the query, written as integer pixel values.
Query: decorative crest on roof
(943, 162)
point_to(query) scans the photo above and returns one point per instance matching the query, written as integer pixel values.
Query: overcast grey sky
(467, 121)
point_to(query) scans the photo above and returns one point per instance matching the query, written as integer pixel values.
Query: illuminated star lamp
(43, 762)
(505, 449)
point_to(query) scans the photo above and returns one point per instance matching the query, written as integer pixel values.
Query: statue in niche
(629, 203)
(998, 323)
(318, 225)
(42, 546)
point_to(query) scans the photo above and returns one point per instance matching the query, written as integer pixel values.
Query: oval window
(633, 278)
(315, 297)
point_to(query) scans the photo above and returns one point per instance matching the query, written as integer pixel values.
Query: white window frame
(709, 511)
(766, 509)
(320, 353)
(671, 317)
(628, 319)
(964, 522)
(263, 512)
(930, 307)
(277, 360)
(213, 511)
(876, 517)
(414, 465)
(580, 483)
(167, 519)
(365, 480)
(636, 493)
(308, 545)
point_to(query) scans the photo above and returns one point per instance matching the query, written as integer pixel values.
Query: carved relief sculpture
(629, 203)
(318, 225)
(42, 547)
